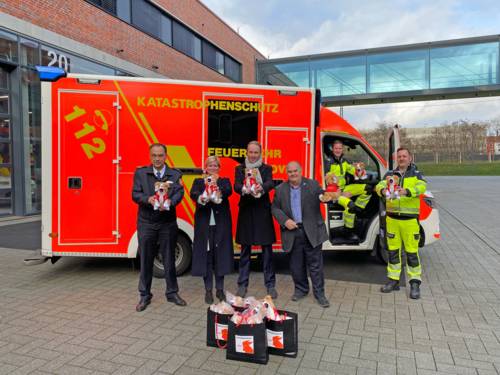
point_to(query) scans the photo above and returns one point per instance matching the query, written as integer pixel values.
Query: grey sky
(280, 28)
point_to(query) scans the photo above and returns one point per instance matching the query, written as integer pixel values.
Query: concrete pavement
(78, 317)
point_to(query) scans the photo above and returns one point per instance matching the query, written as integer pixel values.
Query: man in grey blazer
(296, 207)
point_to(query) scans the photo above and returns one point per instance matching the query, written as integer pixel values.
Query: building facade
(162, 38)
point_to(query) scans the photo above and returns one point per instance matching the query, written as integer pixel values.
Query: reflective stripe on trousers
(407, 233)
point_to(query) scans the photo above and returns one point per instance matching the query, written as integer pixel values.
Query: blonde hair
(213, 158)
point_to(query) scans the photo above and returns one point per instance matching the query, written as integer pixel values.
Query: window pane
(71, 63)
(30, 91)
(166, 30)
(8, 46)
(4, 102)
(291, 74)
(5, 185)
(108, 5)
(146, 17)
(460, 66)
(219, 62)
(398, 71)
(340, 75)
(123, 10)
(209, 58)
(4, 79)
(4, 128)
(29, 52)
(185, 41)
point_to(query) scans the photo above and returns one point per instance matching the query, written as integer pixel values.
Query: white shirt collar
(162, 171)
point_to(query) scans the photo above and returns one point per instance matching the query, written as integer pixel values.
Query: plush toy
(250, 183)
(211, 192)
(271, 310)
(332, 191)
(392, 189)
(359, 171)
(161, 199)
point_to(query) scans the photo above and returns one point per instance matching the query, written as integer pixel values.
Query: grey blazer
(313, 222)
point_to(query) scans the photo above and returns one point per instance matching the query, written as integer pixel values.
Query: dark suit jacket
(255, 222)
(144, 187)
(313, 222)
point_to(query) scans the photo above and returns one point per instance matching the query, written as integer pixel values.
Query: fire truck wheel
(183, 254)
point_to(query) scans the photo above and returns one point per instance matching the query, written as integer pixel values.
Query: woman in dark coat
(213, 252)
(255, 222)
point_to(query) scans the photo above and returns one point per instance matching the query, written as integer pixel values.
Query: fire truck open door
(87, 168)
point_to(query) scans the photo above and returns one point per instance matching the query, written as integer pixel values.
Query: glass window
(398, 71)
(123, 10)
(292, 74)
(4, 128)
(468, 65)
(29, 52)
(4, 79)
(107, 5)
(71, 63)
(340, 75)
(8, 46)
(4, 102)
(5, 184)
(166, 30)
(232, 69)
(146, 17)
(219, 62)
(31, 116)
(185, 41)
(53, 57)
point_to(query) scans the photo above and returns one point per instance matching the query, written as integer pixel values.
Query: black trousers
(304, 258)
(212, 263)
(268, 267)
(154, 237)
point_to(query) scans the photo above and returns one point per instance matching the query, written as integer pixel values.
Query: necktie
(158, 175)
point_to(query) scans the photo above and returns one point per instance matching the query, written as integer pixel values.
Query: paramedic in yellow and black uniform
(402, 222)
(361, 192)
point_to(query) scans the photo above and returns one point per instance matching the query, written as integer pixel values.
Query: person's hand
(151, 200)
(290, 224)
(325, 198)
(402, 191)
(383, 192)
(259, 188)
(347, 194)
(162, 207)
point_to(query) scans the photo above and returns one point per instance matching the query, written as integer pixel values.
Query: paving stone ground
(78, 317)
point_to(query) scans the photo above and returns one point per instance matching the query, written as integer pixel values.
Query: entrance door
(88, 168)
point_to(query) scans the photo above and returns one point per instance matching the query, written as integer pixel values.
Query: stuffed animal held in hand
(250, 184)
(360, 171)
(392, 189)
(161, 200)
(211, 192)
(332, 191)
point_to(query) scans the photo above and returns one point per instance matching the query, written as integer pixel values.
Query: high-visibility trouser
(358, 191)
(399, 233)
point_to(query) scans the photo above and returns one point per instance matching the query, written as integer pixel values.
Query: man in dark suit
(157, 229)
(296, 207)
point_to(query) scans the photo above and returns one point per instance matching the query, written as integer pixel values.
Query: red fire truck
(96, 131)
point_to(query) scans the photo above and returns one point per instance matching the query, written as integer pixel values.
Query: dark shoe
(350, 236)
(390, 286)
(220, 295)
(242, 291)
(209, 299)
(298, 296)
(143, 303)
(414, 290)
(323, 302)
(175, 298)
(272, 292)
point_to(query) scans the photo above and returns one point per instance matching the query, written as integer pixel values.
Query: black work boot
(414, 289)
(390, 286)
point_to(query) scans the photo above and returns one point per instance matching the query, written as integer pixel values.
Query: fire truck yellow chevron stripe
(132, 113)
(189, 207)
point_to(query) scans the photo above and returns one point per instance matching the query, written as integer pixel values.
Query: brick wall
(85, 23)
